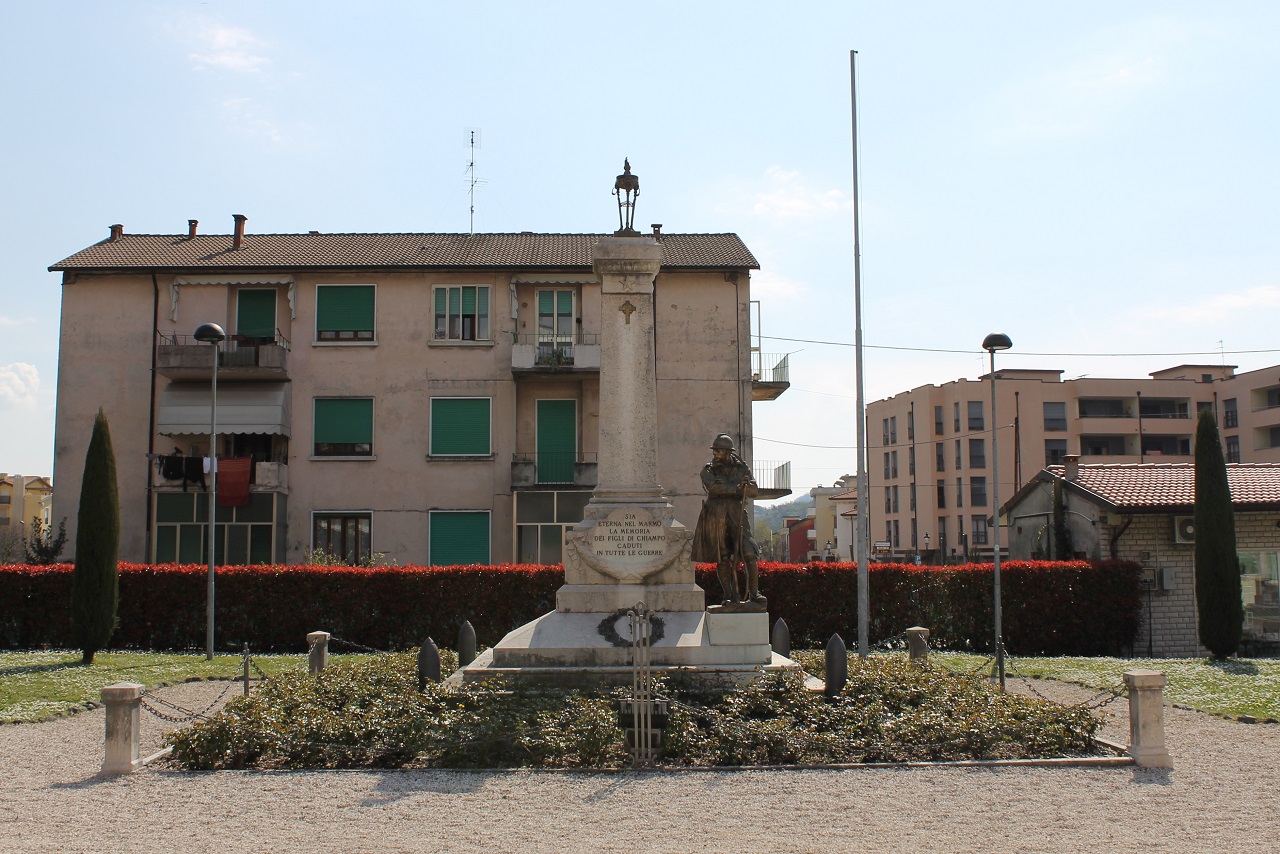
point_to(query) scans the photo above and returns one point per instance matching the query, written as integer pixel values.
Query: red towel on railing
(233, 481)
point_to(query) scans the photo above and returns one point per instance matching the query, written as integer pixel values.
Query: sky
(1097, 180)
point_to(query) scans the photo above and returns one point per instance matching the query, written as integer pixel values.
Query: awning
(242, 408)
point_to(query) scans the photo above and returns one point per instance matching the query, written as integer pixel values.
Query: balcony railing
(263, 477)
(770, 375)
(545, 352)
(241, 357)
(550, 468)
(773, 478)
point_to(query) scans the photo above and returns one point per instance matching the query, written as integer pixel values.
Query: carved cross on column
(628, 309)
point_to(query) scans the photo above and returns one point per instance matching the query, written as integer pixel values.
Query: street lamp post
(928, 557)
(993, 342)
(213, 334)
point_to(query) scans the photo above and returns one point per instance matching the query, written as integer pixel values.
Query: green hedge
(1050, 608)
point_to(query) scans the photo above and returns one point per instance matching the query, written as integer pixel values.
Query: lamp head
(996, 341)
(210, 333)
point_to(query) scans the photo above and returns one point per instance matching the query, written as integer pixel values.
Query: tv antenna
(474, 143)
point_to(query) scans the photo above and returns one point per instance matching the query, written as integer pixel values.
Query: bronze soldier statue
(723, 535)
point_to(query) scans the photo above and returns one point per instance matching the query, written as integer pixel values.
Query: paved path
(1221, 796)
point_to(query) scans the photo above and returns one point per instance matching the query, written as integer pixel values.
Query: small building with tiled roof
(1144, 512)
(432, 398)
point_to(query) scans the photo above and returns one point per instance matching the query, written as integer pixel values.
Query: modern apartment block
(433, 398)
(931, 471)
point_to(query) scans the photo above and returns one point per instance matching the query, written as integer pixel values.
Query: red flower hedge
(1050, 608)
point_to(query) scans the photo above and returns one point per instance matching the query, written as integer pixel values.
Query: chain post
(246, 669)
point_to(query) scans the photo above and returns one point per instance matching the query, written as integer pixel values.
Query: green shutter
(546, 302)
(256, 313)
(345, 420)
(459, 425)
(565, 302)
(441, 295)
(557, 440)
(469, 300)
(459, 538)
(454, 297)
(344, 308)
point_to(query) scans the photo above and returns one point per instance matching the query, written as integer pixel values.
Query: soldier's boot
(728, 582)
(753, 581)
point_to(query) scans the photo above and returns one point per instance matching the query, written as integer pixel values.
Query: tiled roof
(523, 250)
(1154, 487)
(851, 495)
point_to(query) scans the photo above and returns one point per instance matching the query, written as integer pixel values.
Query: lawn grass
(1234, 687)
(38, 685)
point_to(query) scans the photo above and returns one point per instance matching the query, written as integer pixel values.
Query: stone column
(917, 644)
(628, 459)
(1146, 718)
(123, 702)
(318, 657)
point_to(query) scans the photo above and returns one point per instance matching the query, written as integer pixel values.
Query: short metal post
(318, 660)
(123, 703)
(466, 644)
(917, 644)
(1146, 718)
(837, 665)
(245, 657)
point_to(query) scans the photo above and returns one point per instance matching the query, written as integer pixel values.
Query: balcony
(181, 357)
(265, 477)
(770, 375)
(544, 353)
(772, 477)
(553, 469)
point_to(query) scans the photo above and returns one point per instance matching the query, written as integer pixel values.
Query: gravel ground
(1218, 797)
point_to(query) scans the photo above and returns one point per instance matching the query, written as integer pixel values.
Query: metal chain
(889, 643)
(1103, 698)
(187, 715)
(359, 646)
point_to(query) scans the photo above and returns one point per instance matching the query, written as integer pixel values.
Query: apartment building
(432, 398)
(932, 470)
(22, 499)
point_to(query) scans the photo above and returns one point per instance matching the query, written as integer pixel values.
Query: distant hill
(773, 514)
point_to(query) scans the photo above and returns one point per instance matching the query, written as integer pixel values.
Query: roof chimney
(117, 232)
(657, 229)
(191, 228)
(1072, 463)
(238, 239)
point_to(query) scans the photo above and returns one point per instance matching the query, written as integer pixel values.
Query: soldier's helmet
(722, 443)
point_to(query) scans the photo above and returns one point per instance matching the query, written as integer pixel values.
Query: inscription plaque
(629, 536)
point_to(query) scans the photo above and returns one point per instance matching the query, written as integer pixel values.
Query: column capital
(626, 256)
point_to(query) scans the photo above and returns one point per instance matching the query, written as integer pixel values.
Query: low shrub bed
(1050, 608)
(371, 714)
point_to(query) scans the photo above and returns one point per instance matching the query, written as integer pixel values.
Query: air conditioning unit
(1184, 529)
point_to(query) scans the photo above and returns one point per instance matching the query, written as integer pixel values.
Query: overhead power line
(1218, 353)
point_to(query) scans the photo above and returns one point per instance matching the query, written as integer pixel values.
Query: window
(940, 457)
(1233, 449)
(1055, 416)
(885, 435)
(542, 518)
(942, 494)
(256, 314)
(458, 537)
(555, 327)
(959, 492)
(895, 498)
(955, 411)
(942, 533)
(912, 490)
(1260, 591)
(896, 541)
(1275, 437)
(979, 530)
(343, 427)
(1054, 451)
(346, 536)
(911, 462)
(462, 313)
(977, 453)
(8, 499)
(937, 421)
(460, 427)
(344, 312)
(1230, 414)
(886, 465)
(959, 461)
(911, 424)
(893, 459)
(977, 492)
(888, 500)
(975, 415)
(893, 430)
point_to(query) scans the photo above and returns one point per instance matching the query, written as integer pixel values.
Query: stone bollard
(780, 638)
(837, 666)
(466, 644)
(1146, 718)
(917, 644)
(123, 702)
(318, 643)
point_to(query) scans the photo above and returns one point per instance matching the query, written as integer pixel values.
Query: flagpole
(863, 546)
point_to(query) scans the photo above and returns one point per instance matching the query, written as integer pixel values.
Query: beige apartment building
(931, 470)
(432, 398)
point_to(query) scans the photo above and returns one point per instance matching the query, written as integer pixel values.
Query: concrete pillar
(1146, 718)
(917, 644)
(123, 704)
(318, 660)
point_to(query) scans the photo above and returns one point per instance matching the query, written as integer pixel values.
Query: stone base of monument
(586, 649)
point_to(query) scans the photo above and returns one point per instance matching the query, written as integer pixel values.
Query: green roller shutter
(557, 440)
(459, 538)
(256, 313)
(344, 308)
(546, 303)
(469, 300)
(459, 425)
(344, 420)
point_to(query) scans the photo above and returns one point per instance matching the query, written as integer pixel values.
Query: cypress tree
(1218, 601)
(95, 583)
